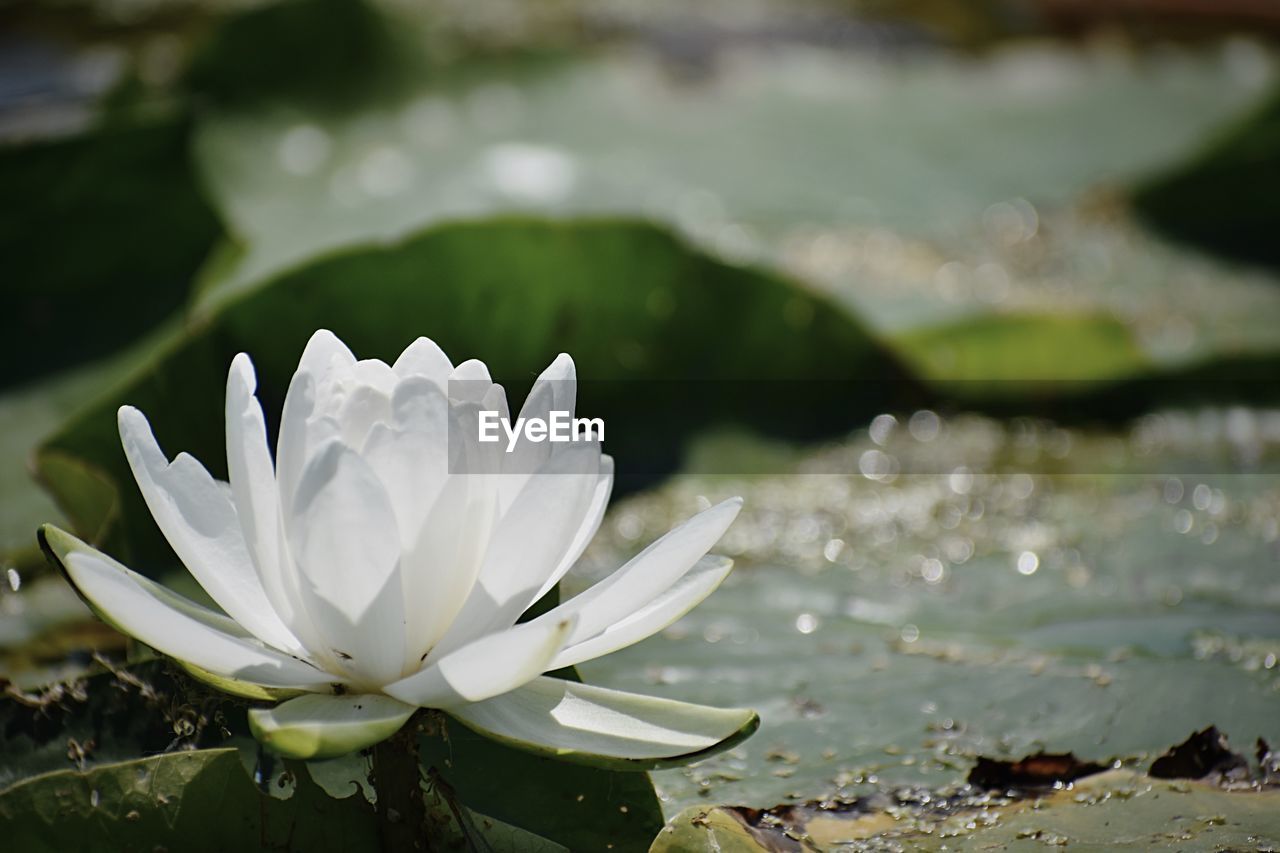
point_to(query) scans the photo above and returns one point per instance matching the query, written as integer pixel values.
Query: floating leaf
(188, 800)
(583, 808)
(1227, 197)
(516, 292)
(101, 236)
(1118, 810)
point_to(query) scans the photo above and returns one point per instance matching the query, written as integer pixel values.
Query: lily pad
(630, 302)
(109, 717)
(1020, 357)
(583, 808)
(30, 413)
(1224, 199)
(60, 741)
(966, 587)
(1019, 227)
(191, 800)
(84, 221)
(1120, 810)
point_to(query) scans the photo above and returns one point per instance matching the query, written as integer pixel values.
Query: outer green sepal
(316, 726)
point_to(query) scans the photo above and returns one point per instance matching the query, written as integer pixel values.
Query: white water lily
(380, 565)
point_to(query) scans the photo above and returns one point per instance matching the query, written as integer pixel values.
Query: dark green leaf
(515, 293)
(582, 808)
(1226, 198)
(101, 235)
(189, 801)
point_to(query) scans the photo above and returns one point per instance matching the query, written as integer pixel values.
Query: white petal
(647, 575)
(590, 525)
(174, 625)
(495, 400)
(373, 373)
(562, 376)
(424, 358)
(253, 487)
(343, 536)
(528, 545)
(410, 453)
(440, 567)
(323, 350)
(328, 726)
(469, 381)
(484, 668)
(197, 516)
(323, 355)
(362, 409)
(554, 391)
(686, 594)
(592, 725)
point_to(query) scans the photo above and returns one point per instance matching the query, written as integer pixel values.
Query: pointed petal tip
(56, 542)
(424, 343)
(729, 507)
(323, 335)
(321, 348)
(242, 369)
(599, 727)
(129, 416)
(718, 562)
(471, 369)
(563, 363)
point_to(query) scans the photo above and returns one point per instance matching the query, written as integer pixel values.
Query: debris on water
(1042, 770)
(1268, 764)
(1204, 754)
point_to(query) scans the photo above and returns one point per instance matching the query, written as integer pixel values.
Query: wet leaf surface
(582, 808)
(1117, 810)
(188, 800)
(1034, 248)
(110, 714)
(965, 587)
(60, 741)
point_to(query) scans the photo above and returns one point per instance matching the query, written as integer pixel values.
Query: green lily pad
(964, 587)
(108, 717)
(193, 800)
(583, 808)
(931, 198)
(321, 50)
(627, 300)
(1227, 197)
(86, 220)
(62, 736)
(29, 414)
(918, 149)
(1020, 356)
(1120, 810)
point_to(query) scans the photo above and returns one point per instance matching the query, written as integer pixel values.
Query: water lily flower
(382, 563)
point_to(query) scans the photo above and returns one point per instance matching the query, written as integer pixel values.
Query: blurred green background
(986, 295)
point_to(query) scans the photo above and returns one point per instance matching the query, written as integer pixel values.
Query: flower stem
(402, 811)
